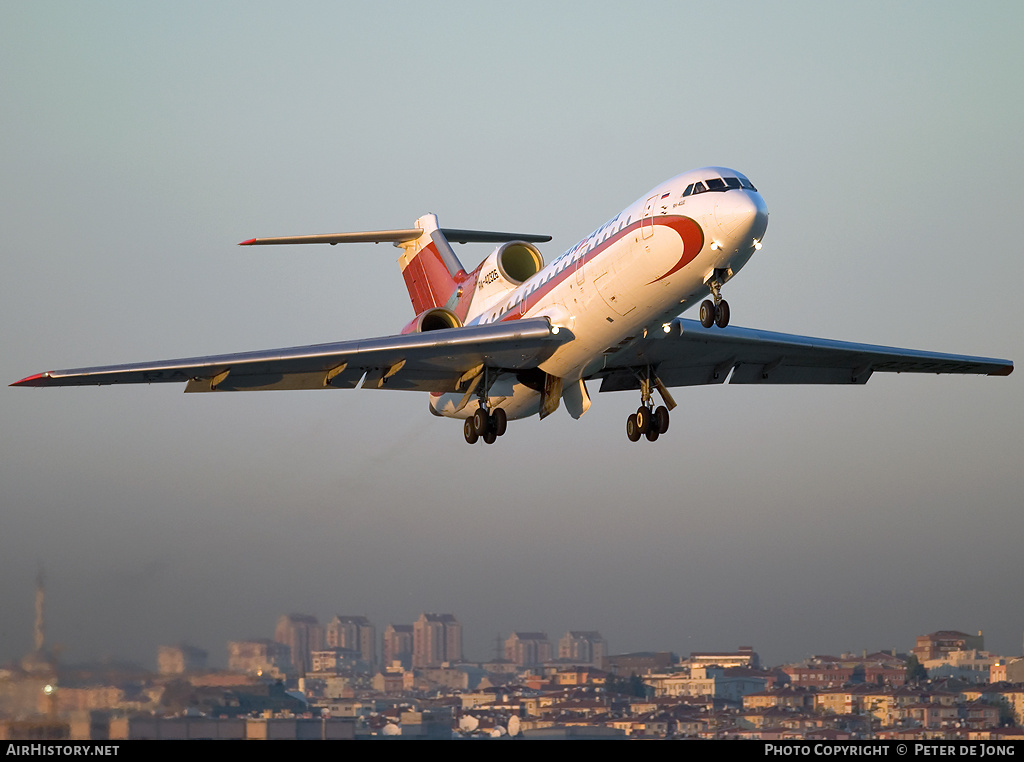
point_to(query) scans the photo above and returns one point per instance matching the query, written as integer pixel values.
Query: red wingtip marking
(250, 242)
(37, 380)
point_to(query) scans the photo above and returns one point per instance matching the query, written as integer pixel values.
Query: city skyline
(141, 143)
(949, 688)
(303, 634)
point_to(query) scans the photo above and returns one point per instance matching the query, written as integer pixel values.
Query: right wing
(687, 354)
(435, 361)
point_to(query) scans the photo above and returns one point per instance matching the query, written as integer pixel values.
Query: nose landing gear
(717, 312)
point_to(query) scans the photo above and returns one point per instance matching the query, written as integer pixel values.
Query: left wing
(435, 361)
(687, 354)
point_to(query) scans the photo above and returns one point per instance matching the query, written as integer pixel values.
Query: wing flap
(748, 373)
(259, 382)
(699, 375)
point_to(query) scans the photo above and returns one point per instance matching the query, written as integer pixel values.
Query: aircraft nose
(742, 215)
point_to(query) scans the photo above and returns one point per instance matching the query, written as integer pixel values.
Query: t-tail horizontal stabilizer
(454, 235)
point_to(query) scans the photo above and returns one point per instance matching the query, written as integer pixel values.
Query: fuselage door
(647, 223)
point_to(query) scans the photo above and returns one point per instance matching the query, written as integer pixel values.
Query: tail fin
(431, 270)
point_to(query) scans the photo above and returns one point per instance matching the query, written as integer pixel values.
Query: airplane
(516, 337)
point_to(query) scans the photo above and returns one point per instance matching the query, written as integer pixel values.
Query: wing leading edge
(687, 354)
(436, 361)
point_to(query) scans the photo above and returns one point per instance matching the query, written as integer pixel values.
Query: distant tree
(915, 670)
(615, 684)
(1007, 718)
(633, 686)
(857, 676)
(637, 686)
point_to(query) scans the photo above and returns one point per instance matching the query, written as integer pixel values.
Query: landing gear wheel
(707, 313)
(661, 419)
(632, 430)
(643, 419)
(500, 418)
(652, 432)
(469, 429)
(490, 436)
(722, 314)
(480, 421)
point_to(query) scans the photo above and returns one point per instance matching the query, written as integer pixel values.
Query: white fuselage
(637, 271)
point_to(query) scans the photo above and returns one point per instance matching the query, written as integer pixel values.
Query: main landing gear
(716, 312)
(485, 426)
(648, 421)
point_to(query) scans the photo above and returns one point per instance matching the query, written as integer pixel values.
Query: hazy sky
(140, 141)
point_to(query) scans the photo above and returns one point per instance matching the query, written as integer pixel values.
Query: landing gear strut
(648, 421)
(717, 312)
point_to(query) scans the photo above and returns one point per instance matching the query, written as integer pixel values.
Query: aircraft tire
(722, 314)
(500, 422)
(643, 419)
(652, 432)
(661, 419)
(707, 313)
(469, 429)
(632, 430)
(480, 421)
(490, 437)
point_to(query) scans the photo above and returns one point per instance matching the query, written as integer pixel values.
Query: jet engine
(505, 268)
(435, 319)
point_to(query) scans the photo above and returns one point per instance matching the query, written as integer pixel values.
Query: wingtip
(248, 242)
(1003, 371)
(39, 379)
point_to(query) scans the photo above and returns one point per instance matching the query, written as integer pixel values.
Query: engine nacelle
(504, 269)
(433, 320)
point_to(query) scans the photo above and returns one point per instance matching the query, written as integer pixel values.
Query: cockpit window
(719, 184)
